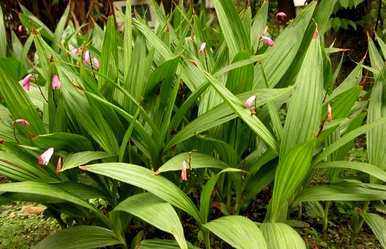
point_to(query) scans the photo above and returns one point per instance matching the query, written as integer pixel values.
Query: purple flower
(55, 84)
(45, 157)
(21, 121)
(250, 102)
(26, 82)
(267, 40)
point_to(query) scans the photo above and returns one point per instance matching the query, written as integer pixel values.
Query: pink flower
(281, 14)
(88, 60)
(250, 102)
(26, 82)
(95, 62)
(55, 83)
(281, 17)
(74, 51)
(201, 50)
(267, 40)
(21, 121)
(20, 28)
(184, 171)
(86, 57)
(45, 157)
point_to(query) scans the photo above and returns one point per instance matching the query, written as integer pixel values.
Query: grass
(23, 225)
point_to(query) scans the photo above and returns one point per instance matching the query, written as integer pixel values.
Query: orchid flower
(21, 121)
(267, 40)
(56, 84)
(26, 82)
(250, 102)
(45, 157)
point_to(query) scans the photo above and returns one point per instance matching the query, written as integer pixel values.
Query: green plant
(189, 121)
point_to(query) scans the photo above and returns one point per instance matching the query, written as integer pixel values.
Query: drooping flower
(55, 83)
(281, 17)
(329, 113)
(74, 51)
(45, 157)
(26, 82)
(281, 14)
(184, 171)
(89, 60)
(267, 40)
(95, 62)
(59, 166)
(21, 121)
(86, 57)
(201, 50)
(250, 102)
(20, 28)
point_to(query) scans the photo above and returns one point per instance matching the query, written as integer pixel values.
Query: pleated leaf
(281, 236)
(223, 113)
(304, 107)
(3, 35)
(259, 24)
(231, 26)
(245, 114)
(238, 231)
(376, 137)
(155, 212)
(195, 161)
(162, 244)
(281, 55)
(79, 237)
(49, 190)
(345, 191)
(367, 168)
(378, 226)
(292, 171)
(63, 141)
(148, 180)
(81, 158)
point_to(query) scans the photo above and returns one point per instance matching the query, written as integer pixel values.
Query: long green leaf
(238, 231)
(80, 237)
(377, 225)
(347, 138)
(49, 190)
(162, 244)
(280, 57)
(291, 173)
(231, 26)
(81, 158)
(251, 120)
(155, 212)
(345, 191)
(363, 167)
(281, 236)
(3, 35)
(146, 179)
(195, 161)
(304, 107)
